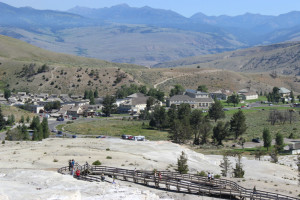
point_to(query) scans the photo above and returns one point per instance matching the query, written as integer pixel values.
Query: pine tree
(220, 132)
(225, 165)
(2, 120)
(96, 94)
(182, 166)
(22, 120)
(238, 170)
(45, 128)
(35, 135)
(216, 111)
(267, 138)
(279, 141)
(27, 119)
(238, 124)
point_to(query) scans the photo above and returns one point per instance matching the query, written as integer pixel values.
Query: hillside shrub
(97, 162)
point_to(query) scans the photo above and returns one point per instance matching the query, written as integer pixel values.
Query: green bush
(3, 141)
(217, 176)
(202, 173)
(108, 149)
(97, 162)
(108, 157)
(55, 160)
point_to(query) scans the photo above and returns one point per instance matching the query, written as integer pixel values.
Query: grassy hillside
(67, 74)
(72, 75)
(282, 58)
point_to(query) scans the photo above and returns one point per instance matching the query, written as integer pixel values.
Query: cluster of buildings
(75, 106)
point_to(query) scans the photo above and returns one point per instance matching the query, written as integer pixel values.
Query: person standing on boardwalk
(70, 165)
(159, 174)
(208, 176)
(212, 176)
(73, 163)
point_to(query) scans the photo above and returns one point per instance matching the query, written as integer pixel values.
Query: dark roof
(188, 99)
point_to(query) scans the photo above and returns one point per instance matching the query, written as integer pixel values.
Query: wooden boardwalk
(173, 181)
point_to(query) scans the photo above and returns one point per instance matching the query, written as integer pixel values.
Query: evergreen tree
(96, 94)
(160, 117)
(220, 132)
(86, 94)
(292, 97)
(279, 141)
(206, 128)
(180, 131)
(267, 138)
(109, 105)
(143, 89)
(238, 124)
(35, 136)
(2, 120)
(172, 115)
(196, 120)
(150, 102)
(184, 110)
(22, 120)
(182, 166)
(7, 93)
(92, 99)
(225, 165)
(45, 128)
(178, 89)
(234, 99)
(25, 134)
(27, 119)
(238, 170)
(216, 111)
(202, 88)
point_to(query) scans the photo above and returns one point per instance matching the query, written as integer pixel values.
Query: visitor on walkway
(77, 173)
(70, 165)
(73, 163)
(212, 176)
(102, 177)
(209, 176)
(159, 174)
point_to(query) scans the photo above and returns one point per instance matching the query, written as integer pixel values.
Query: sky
(184, 7)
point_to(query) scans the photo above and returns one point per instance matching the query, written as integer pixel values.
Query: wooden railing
(189, 183)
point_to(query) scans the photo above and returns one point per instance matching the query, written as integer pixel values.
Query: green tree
(91, 97)
(178, 89)
(22, 120)
(196, 120)
(149, 103)
(279, 141)
(35, 136)
(96, 94)
(2, 120)
(27, 119)
(159, 117)
(180, 130)
(7, 93)
(238, 124)
(275, 94)
(202, 88)
(182, 166)
(184, 110)
(238, 170)
(267, 138)
(109, 105)
(225, 165)
(206, 128)
(25, 134)
(216, 111)
(143, 89)
(172, 115)
(234, 99)
(45, 128)
(86, 94)
(292, 97)
(220, 132)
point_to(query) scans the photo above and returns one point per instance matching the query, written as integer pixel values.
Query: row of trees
(184, 124)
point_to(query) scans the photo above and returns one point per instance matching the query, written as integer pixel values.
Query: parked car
(225, 109)
(53, 130)
(257, 140)
(101, 136)
(74, 118)
(60, 119)
(74, 136)
(59, 132)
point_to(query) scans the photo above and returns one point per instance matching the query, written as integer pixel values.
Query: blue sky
(184, 7)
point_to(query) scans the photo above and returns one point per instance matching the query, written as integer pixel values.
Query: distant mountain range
(144, 35)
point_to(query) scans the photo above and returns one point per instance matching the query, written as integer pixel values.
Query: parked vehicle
(257, 140)
(74, 136)
(101, 136)
(60, 119)
(59, 132)
(74, 118)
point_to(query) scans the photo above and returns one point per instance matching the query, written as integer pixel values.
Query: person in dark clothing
(70, 165)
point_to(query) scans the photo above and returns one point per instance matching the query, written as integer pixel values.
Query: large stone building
(196, 99)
